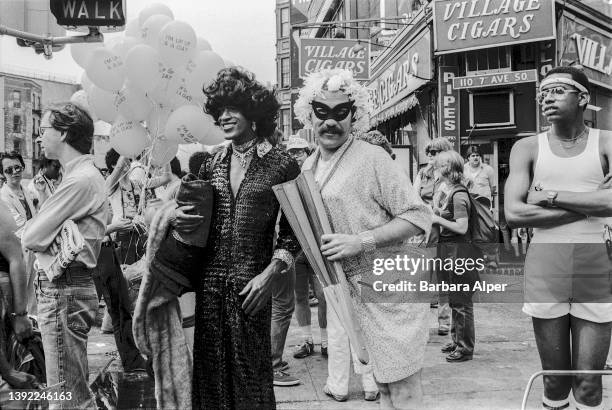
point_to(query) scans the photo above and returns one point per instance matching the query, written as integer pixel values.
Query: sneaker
(371, 395)
(334, 396)
(305, 350)
(442, 331)
(284, 379)
(313, 301)
(283, 365)
(324, 351)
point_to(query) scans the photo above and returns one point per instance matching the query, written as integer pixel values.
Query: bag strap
(334, 166)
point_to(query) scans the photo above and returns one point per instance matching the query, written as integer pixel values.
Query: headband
(562, 80)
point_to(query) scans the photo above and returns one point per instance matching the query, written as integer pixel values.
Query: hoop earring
(254, 126)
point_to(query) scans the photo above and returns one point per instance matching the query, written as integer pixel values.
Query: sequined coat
(232, 362)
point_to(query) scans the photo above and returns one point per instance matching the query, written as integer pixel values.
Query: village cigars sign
(474, 24)
(317, 54)
(408, 72)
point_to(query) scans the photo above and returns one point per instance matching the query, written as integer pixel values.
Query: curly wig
(236, 87)
(334, 80)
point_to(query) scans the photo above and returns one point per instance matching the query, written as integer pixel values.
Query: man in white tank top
(558, 186)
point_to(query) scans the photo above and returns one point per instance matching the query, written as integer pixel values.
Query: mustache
(331, 129)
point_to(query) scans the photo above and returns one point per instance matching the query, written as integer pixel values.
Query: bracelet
(368, 242)
(285, 256)
(14, 315)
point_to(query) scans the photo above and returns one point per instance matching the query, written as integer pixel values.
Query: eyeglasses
(432, 152)
(338, 113)
(556, 93)
(13, 170)
(41, 130)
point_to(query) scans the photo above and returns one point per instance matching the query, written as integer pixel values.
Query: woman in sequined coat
(232, 366)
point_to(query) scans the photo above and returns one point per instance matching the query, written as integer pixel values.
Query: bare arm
(394, 231)
(518, 212)
(597, 203)
(459, 226)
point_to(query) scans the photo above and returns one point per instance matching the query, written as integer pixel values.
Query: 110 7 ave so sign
(97, 13)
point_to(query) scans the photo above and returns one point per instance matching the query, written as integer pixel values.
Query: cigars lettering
(473, 24)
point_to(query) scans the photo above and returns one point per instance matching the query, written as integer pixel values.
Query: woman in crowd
(452, 216)
(427, 184)
(232, 367)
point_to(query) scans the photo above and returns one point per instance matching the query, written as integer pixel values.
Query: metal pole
(557, 373)
(94, 36)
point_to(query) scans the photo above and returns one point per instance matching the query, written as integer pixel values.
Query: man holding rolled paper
(372, 210)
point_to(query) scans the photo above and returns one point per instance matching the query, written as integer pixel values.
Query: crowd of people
(223, 272)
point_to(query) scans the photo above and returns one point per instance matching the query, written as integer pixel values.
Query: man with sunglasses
(557, 186)
(373, 210)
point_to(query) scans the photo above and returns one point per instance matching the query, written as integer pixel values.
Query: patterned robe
(365, 191)
(232, 361)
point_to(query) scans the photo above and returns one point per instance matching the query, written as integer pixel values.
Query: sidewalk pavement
(505, 357)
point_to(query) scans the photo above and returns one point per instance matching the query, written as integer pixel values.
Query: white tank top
(581, 173)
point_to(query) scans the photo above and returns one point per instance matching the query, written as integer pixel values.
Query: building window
(285, 76)
(284, 23)
(17, 123)
(492, 109)
(16, 99)
(489, 60)
(285, 123)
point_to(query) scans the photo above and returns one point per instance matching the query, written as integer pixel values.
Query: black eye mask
(338, 113)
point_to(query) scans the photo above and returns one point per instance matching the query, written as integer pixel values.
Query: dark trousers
(111, 284)
(462, 324)
(462, 307)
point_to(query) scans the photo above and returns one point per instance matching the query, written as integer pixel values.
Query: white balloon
(106, 70)
(81, 52)
(81, 100)
(203, 44)
(152, 10)
(177, 43)
(202, 70)
(163, 151)
(86, 82)
(149, 30)
(214, 136)
(170, 81)
(103, 104)
(187, 124)
(142, 67)
(133, 104)
(132, 28)
(126, 44)
(128, 138)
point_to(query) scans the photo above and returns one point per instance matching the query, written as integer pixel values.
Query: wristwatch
(551, 196)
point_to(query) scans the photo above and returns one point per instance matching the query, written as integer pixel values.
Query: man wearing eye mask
(373, 209)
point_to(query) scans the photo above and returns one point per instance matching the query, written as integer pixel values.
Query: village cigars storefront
(582, 38)
(401, 93)
(491, 55)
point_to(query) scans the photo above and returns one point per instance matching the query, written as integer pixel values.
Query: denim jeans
(66, 311)
(112, 285)
(283, 303)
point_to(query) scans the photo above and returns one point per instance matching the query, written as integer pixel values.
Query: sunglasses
(432, 152)
(13, 170)
(338, 113)
(556, 93)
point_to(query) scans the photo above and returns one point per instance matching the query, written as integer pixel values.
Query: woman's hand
(183, 221)
(259, 289)
(338, 246)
